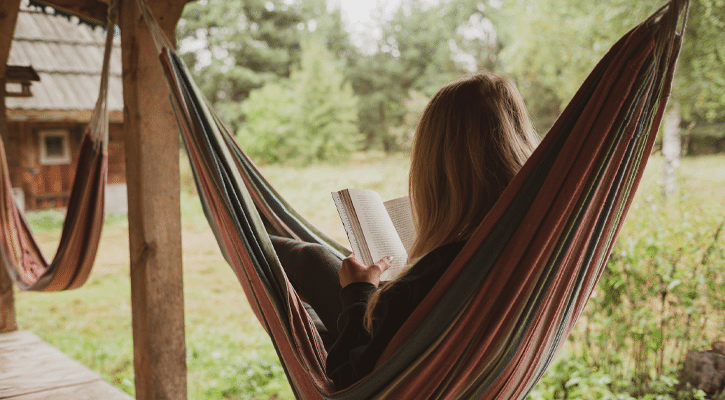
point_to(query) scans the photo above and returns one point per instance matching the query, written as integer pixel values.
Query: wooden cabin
(151, 144)
(51, 89)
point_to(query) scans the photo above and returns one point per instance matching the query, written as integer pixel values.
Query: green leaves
(310, 116)
(660, 295)
(550, 45)
(547, 46)
(701, 84)
(236, 46)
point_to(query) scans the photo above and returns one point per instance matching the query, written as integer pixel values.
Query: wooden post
(8, 17)
(7, 303)
(154, 216)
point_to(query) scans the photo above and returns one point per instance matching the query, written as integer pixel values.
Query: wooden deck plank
(98, 390)
(31, 369)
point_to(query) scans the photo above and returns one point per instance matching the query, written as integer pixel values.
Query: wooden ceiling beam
(93, 10)
(8, 18)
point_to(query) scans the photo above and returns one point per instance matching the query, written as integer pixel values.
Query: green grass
(46, 220)
(228, 353)
(91, 324)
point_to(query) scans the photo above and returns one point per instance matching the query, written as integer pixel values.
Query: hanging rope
(160, 39)
(99, 119)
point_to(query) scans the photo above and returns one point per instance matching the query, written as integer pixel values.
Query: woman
(472, 139)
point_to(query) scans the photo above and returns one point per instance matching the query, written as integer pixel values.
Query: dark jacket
(355, 352)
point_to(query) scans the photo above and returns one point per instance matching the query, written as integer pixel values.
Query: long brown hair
(473, 137)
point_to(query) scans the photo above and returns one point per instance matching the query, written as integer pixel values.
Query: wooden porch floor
(31, 369)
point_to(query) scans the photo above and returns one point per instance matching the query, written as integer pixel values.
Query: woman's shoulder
(443, 256)
(448, 250)
(400, 299)
(429, 268)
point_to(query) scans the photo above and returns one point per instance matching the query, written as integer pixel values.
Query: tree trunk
(704, 370)
(671, 149)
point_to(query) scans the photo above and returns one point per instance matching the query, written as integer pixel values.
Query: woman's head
(473, 137)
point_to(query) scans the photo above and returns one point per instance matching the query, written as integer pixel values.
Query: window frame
(43, 157)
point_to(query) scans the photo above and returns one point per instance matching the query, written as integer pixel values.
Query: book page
(379, 231)
(402, 217)
(346, 223)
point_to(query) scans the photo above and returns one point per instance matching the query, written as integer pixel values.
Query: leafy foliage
(701, 84)
(326, 22)
(422, 48)
(239, 45)
(660, 288)
(311, 116)
(661, 295)
(570, 378)
(550, 46)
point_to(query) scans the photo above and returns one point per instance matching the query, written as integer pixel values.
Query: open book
(376, 229)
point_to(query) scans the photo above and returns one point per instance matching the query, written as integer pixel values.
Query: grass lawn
(228, 353)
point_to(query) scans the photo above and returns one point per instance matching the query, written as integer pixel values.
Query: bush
(309, 117)
(661, 294)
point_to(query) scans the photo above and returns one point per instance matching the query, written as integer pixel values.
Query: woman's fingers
(384, 263)
(353, 271)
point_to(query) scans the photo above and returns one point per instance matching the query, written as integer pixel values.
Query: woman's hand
(352, 271)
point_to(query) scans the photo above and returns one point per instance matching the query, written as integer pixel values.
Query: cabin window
(17, 89)
(54, 147)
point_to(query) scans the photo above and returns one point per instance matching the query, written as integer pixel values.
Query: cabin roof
(67, 57)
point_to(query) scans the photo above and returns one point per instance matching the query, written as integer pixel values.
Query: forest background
(289, 82)
(286, 78)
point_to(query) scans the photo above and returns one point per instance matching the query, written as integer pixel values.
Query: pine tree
(310, 116)
(236, 46)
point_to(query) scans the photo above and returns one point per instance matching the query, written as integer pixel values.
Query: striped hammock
(78, 245)
(495, 319)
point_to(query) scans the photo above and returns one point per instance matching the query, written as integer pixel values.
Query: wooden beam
(8, 18)
(7, 302)
(154, 216)
(32, 369)
(79, 116)
(92, 10)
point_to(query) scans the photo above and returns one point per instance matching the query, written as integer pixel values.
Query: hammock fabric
(494, 321)
(83, 223)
